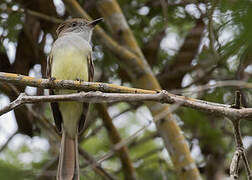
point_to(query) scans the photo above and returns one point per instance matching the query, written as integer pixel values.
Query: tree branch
(162, 97)
(7, 142)
(240, 150)
(96, 166)
(132, 94)
(68, 84)
(144, 139)
(127, 166)
(37, 14)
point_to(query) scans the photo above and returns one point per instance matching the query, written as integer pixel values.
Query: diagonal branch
(145, 78)
(36, 14)
(7, 142)
(127, 166)
(96, 166)
(182, 62)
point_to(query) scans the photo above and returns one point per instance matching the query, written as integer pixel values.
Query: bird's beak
(95, 22)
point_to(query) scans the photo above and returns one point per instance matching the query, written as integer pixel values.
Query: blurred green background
(186, 43)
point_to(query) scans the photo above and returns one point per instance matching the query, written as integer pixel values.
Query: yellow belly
(70, 64)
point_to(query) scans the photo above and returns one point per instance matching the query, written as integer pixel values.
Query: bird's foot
(80, 80)
(52, 78)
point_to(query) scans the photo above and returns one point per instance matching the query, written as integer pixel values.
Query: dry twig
(7, 142)
(240, 150)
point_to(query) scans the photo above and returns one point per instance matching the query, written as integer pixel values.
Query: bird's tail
(68, 167)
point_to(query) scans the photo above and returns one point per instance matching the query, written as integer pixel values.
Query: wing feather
(86, 105)
(54, 106)
(49, 66)
(90, 68)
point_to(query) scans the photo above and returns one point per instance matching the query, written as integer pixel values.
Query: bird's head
(79, 26)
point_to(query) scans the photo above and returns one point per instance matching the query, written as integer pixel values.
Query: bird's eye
(74, 24)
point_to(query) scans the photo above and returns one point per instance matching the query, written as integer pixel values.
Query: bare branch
(68, 84)
(7, 142)
(148, 154)
(162, 96)
(228, 83)
(98, 97)
(211, 34)
(234, 166)
(123, 153)
(18, 102)
(96, 166)
(240, 150)
(144, 139)
(37, 14)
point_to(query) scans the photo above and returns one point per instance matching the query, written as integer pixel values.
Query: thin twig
(234, 166)
(148, 154)
(37, 14)
(144, 156)
(211, 33)
(93, 133)
(114, 136)
(8, 140)
(95, 165)
(144, 139)
(130, 109)
(128, 140)
(228, 83)
(99, 127)
(119, 145)
(240, 150)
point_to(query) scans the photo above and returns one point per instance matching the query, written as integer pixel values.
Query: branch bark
(119, 93)
(7, 142)
(240, 150)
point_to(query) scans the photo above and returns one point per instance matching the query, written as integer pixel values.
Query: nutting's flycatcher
(70, 59)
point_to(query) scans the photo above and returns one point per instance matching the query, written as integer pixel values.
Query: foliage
(232, 31)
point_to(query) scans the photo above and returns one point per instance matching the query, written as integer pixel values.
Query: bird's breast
(70, 58)
(70, 64)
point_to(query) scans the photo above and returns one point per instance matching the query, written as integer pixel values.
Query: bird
(70, 59)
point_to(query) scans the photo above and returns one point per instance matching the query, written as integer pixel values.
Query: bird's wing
(54, 106)
(49, 66)
(90, 67)
(86, 105)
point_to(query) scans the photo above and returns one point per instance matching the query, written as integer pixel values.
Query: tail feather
(68, 168)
